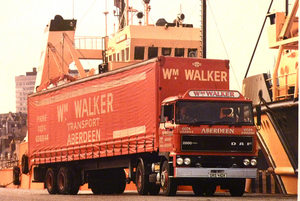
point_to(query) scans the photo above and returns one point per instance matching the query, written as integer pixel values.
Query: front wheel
(237, 187)
(168, 185)
(198, 190)
(154, 189)
(210, 190)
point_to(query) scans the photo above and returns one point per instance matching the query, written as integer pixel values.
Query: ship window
(139, 53)
(109, 58)
(152, 52)
(166, 51)
(192, 52)
(127, 53)
(114, 57)
(118, 57)
(179, 52)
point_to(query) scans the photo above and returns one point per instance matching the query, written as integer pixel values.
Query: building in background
(13, 129)
(24, 86)
(13, 126)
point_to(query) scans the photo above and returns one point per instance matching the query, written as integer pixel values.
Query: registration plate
(217, 174)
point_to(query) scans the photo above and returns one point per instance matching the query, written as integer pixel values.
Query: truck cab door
(166, 128)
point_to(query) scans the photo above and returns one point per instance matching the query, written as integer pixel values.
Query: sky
(233, 27)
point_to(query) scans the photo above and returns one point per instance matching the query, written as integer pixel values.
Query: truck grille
(209, 143)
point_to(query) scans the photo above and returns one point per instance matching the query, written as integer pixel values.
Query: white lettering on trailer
(201, 75)
(41, 136)
(84, 137)
(92, 89)
(41, 118)
(61, 109)
(90, 106)
(87, 123)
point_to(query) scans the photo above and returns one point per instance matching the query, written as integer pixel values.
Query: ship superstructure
(278, 94)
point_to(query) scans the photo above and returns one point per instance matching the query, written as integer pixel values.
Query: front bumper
(194, 172)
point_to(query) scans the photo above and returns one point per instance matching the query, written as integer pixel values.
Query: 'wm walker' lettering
(90, 106)
(217, 76)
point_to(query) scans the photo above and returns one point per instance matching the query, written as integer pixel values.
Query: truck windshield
(194, 112)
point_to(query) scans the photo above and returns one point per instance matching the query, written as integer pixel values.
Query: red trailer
(89, 130)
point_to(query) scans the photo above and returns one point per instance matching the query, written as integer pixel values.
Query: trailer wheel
(120, 178)
(142, 181)
(51, 181)
(76, 181)
(64, 180)
(237, 187)
(16, 175)
(168, 185)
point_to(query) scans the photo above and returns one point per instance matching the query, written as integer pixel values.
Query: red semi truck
(169, 121)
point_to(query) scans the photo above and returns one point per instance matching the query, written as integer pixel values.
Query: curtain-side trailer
(89, 130)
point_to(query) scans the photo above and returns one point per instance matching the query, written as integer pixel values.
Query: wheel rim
(164, 179)
(49, 181)
(61, 182)
(139, 178)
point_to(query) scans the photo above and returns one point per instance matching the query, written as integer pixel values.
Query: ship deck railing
(88, 42)
(285, 90)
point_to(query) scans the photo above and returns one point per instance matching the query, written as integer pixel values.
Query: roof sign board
(214, 94)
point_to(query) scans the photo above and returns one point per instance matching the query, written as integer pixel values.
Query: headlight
(246, 162)
(253, 162)
(179, 161)
(187, 161)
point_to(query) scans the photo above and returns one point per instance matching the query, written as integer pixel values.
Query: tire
(120, 178)
(141, 179)
(109, 181)
(16, 175)
(76, 178)
(168, 185)
(154, 189)
(237, 187)
(51, 181)
(96, 190)
(64, 181)
(198, 190)
(24, 164)
(210, 190)
(107, 190)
